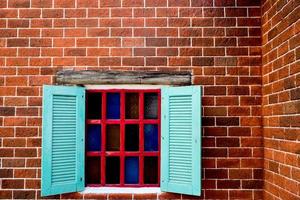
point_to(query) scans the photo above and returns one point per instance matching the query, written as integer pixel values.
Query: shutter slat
(181, 140)
(63, 144)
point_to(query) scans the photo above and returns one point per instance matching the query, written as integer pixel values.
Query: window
(122, 138)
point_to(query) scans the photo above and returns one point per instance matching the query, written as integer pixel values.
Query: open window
(121, 138)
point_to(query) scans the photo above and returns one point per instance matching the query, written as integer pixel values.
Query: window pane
(150, 170)
(150, 105)
(93, 173)
(150, 137)
(132, 106)
(131, 170)
(112, 170)
(113, 137)
(94, 105)
(113, 106)
(131, 137)
(94, 137)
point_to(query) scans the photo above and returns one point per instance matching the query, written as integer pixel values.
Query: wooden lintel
(92, 77)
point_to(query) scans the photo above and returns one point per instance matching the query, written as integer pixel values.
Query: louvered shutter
(181, 140)
(63, 139)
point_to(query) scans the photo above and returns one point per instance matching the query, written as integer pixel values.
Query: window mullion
(141, 157)
(159, 133)
(103, 138)
(122, 138)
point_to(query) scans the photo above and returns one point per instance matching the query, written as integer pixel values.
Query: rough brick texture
(219, 41)
(281, 98)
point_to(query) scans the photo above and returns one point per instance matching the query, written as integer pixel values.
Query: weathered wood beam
(91, 77)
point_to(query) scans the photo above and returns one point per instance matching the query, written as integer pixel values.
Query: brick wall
(281, 98)
(218, 40)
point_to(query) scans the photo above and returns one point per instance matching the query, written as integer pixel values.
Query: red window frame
(122, 122)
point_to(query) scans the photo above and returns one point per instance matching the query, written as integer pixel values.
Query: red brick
(32, 184)
(87, 3)
(5, 194)
(12, 184)
(24, 194)
(25, 152)
(189, 12)
(173, 12)
(144, 52)
(144, 32)
(202, 42)
(40, 62)
(97, 51)
(156, 3)
(6, 132)
(156, 61)
(75, 52)
(75, 13)
(179, 22)
(65, 42)
(62, 23)
(156, 22)
(109, 42)
(110, 3)
(16, 142)
(78, 32)
(228, 184)
(7, 111)
(165, 32)
(17, 42)
(18, 23)
(86, 61)
(41, 3)
(228, 142)
(41, 23)
(133, 61)
(173, 61)
(156, 42)
(16, 81)
(12, 121)
(109, 61)
(19, 3)
(64, 61)
(167, 51)
(87, 42)
(145, 12)
(213, 12)
(52, 13)
(110, 22)
(87, 23)
(179, 41)
(121, 32)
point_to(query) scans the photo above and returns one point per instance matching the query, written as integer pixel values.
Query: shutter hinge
(80, 178)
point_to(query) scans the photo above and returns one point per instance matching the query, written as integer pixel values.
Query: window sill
(118, 190)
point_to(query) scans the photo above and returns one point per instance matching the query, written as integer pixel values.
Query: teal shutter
(63, 139)
(181, 140)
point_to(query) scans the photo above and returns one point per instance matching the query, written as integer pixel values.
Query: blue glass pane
(150, 137)
(94, 138)
(113, 106)
(131, 170)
